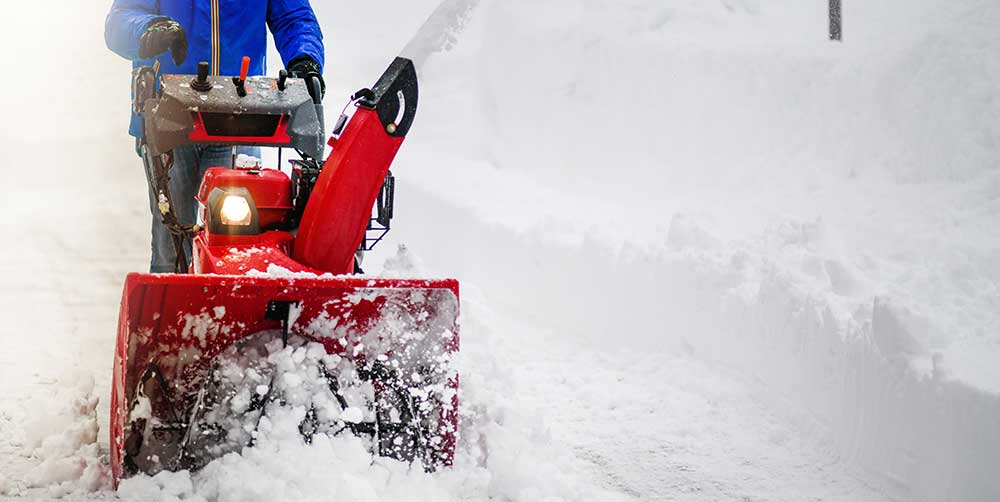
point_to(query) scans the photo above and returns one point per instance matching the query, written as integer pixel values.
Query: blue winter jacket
(218, 31)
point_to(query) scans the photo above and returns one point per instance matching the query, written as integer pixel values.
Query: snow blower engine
(268, 316)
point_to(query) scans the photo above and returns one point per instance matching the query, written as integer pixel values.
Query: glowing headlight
(231, 212)
(235, 211)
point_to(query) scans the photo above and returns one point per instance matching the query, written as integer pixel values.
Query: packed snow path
(676, 302)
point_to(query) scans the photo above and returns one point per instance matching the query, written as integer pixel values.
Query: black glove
(161, 35)
(306, 67)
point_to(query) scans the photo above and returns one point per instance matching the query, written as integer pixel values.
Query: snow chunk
(165, 487)
(143, 409)
(292, 380)
(198, 326)
(244, 161)
(65, 440)
(279, 272)
(352, 415)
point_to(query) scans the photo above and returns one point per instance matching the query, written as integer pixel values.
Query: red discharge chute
(333, 224)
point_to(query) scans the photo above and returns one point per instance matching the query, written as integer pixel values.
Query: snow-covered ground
(705, 253)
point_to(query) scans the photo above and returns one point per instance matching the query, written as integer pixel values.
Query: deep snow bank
(718, 178)
(835, 373)
(740, 116)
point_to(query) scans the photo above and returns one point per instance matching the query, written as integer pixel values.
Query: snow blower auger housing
(198, 364)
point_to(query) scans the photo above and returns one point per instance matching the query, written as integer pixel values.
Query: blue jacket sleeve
(126, 22)
(295, 29)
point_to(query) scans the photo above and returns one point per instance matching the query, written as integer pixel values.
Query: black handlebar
(315, 89)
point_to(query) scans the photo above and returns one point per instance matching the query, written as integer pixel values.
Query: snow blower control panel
(257, 111)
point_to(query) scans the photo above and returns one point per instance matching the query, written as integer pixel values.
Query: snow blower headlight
(231, 211)
(235, 211)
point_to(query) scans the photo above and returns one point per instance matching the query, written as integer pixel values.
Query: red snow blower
(271, 264)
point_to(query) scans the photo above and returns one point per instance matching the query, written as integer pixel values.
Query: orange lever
(245, 68)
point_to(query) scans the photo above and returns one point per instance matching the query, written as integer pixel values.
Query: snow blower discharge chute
(198, 364)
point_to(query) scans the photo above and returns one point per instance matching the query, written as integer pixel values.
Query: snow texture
(61, 441)
(705, 253)
(277, 271)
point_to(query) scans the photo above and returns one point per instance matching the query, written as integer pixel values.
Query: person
(180, 33)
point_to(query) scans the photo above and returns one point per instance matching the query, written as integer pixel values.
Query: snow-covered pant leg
(190, 163)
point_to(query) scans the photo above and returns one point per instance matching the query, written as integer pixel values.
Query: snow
(352, 415)
(64, 440)
(705, 254)
(717, 179)
(244, 161)
(277, 271)
(339, 466)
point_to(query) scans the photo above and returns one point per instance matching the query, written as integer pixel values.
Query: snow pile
(63, 438)
(501, 454)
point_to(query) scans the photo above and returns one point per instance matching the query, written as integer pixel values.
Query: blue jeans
(190, 163)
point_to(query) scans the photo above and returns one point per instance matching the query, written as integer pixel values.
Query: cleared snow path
(662, 426)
